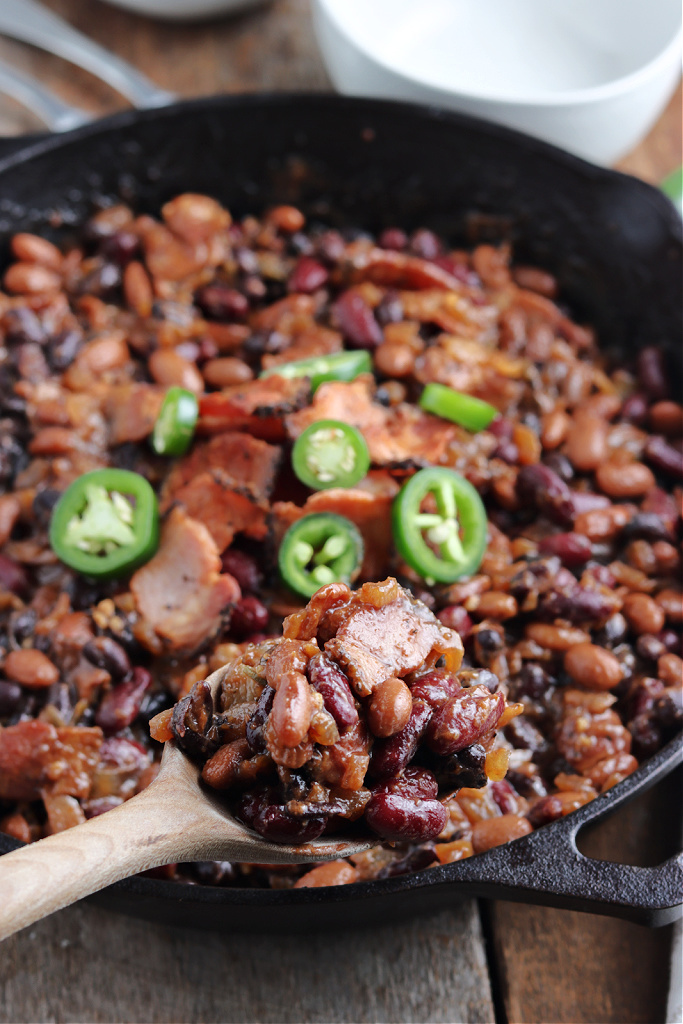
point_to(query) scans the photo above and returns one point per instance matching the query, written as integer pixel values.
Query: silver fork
(30, 22)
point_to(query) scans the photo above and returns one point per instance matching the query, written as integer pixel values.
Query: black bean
(11, 697)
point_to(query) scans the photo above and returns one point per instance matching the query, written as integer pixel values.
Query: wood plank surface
(85, 965)
(546, 965)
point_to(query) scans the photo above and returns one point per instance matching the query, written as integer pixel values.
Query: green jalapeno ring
(330, 453)
(345, 366)
(176, 422)
(472, 413)
(318, 549)
(459, 510)
(98, 530)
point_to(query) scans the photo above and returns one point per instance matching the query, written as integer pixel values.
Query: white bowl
(591, 76)
(185, 10)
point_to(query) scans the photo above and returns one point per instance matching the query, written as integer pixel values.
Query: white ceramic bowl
(591, 76)
(185, 10)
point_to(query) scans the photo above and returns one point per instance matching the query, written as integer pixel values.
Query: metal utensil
(53, 112)
(30, 22)
(174, 819)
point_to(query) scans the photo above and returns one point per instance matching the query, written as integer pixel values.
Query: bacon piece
(258, 406)
(181, 591)
(398, 270)
(132, 410)
(314, 341)
(35, 755)
(351, 402)
(243, 460)
(223, 510)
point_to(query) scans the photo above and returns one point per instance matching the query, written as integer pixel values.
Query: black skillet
(613, 242)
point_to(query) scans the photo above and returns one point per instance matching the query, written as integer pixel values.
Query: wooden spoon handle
(146, 831)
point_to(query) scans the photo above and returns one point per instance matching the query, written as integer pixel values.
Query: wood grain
(86, 965)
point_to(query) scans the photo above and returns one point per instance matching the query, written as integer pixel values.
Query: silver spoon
(174, 819)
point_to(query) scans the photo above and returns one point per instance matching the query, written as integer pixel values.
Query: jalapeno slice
(330, 453)
(176, 422)
(319, 549)
(338, 366)
(439, 524)
(466, 410)
(106, 523)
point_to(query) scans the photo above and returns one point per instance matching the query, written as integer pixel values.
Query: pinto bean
(286, 218)
(670, 669)
(31, 668)
(28, 248)
(644, 615)
(593, 667)
(495, 604)
(624, 480)
(389, 707)
(226, 371)
(395, 360)
(555, 638)
(587, 441)
(671, 601)
(495, 831)
(554, 428)
(137, 289)
(10, 510)
(31, 279)
(292, 709)
(194, 218)
(170, 369)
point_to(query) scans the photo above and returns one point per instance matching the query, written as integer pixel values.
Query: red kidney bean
(121, 247)
(121, 705)
(664, 457)
(573, 549)
(13, 576)
(435, 688)
(390, 756)
(464, 720)
(505, 796)
(244, 568)
(277, 825)
(426, 244)
(538, 487)
(249, 615)
(218, 302)
(357, 321)
(393, 238)
(406, 809)
(455, 617)
(653, 373)
(333, 686)
(547, 809)
(308, 275)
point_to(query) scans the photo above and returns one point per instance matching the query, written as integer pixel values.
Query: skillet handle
(546, 866)
(9, 145)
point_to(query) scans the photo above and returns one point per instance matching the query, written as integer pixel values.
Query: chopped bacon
(181, 591)
(453, 312)
(210, 499)
(132, 410)
(398, 270)
(314, 341)
(242, 460)
(258, 406)
(403, 435)
(279, 315)
(35, 755)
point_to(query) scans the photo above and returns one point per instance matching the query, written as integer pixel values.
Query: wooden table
(478, 963)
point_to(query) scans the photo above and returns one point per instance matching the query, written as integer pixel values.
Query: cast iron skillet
(613, 242)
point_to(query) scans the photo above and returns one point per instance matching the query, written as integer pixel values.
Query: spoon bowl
(175, 819)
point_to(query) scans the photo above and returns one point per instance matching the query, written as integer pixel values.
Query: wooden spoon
(174, 819)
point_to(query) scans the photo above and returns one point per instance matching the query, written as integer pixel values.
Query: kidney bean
(31, 668)
(218, 302)
(649, 647)
(292, 710)
(495, 831)
(455, 617)
(277, 825)
(634, 409)
(533, 682)
(13, 576)
(667, 418)
(105, 653)
(390, 756)
(619, 480)
(389, 707)
(357, 321)
(244, 568)
(538, 487)
(435, 688)
(405, 809)
(593, 667)
(120, 247)
(120, 706)
(249, 615)
(664, 457)
(670, 669)
(463, 720)
(578, 604)
(652, 371)
(573, 549)
(524, 735)
(308, 275)
(393, 238)
(333, 686)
